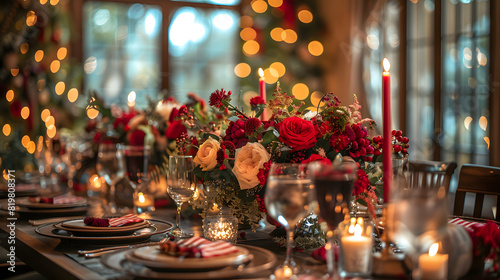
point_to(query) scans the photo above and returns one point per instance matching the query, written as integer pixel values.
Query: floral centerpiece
(234, 164)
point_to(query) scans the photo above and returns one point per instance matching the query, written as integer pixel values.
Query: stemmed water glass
(333, 185)
(418, 214)
(111, 166)
(288, 199)
(181, 185)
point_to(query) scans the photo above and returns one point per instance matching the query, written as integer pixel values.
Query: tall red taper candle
(262, 89)
(386, 122)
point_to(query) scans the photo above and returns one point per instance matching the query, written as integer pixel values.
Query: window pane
(203, 48)
(122, 50)
(215, 2)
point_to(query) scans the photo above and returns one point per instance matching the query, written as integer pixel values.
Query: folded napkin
(198, 247)
(112, 222)
(61, 199)
(320, 253)
(465, 224)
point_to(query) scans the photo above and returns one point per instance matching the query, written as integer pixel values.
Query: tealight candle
(143, 202)
(221, 227)
(433, 265)
(356, 248)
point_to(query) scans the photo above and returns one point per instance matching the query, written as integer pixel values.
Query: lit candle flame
(433, 249)
(141, 197)
(261, 73)
(358, 230)
(131, 98)
(386, 64)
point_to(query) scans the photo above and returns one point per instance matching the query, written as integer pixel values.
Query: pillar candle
(386, 125)
(433, 265)
(262, 89)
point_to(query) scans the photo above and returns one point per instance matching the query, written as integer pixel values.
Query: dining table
(56, 258)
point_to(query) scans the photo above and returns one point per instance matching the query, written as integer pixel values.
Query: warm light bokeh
(6, 129)
(279, 67)
(9, 95)
(61, 53)
(259, 6)
(60, 87)
(305, 16)
(25, 112)
(276, 34)
(300, 91)
(72, 95)
(242, 70)
(251, 47)
(248, 34)
(315, 48)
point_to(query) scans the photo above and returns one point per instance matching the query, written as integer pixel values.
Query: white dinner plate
(37, 205)
(152, 257)
(259, 266)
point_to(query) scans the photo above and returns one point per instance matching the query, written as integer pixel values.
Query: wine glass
(333, 184)
(136, 160)
(181, 185)
(288, 199)
(111, 166)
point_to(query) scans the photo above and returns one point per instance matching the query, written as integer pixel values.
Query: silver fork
(102, 251)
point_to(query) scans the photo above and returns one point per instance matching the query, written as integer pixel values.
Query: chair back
(431, 174)
(481, 180)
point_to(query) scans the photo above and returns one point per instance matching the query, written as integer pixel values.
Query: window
(450, 107)
(446, 76)
(179, 46)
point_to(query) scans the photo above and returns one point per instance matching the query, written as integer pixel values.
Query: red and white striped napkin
(121, 221)
(197, 246)
(465, 224)
(64, 199)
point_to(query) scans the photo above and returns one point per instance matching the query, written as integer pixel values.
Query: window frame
(166, 6)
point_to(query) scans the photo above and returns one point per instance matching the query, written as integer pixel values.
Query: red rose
(320, 159)
(175, 130)
(124, 119)
(297, 133)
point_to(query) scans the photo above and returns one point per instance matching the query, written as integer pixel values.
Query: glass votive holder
(356, 249)
(221, 227)
(143, 202)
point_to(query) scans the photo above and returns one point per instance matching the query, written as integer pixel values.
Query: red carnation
(339, 141)
(218, 96)
(251, 125)
(175, 130)
(361, 184)
(229, 145)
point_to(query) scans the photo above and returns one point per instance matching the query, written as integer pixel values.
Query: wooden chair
(431, 174)
(481, 180)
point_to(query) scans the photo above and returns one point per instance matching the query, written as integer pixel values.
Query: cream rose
(206, 156)
(249, 159)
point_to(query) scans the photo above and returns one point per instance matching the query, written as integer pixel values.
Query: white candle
(433, 265)
(357, 251)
